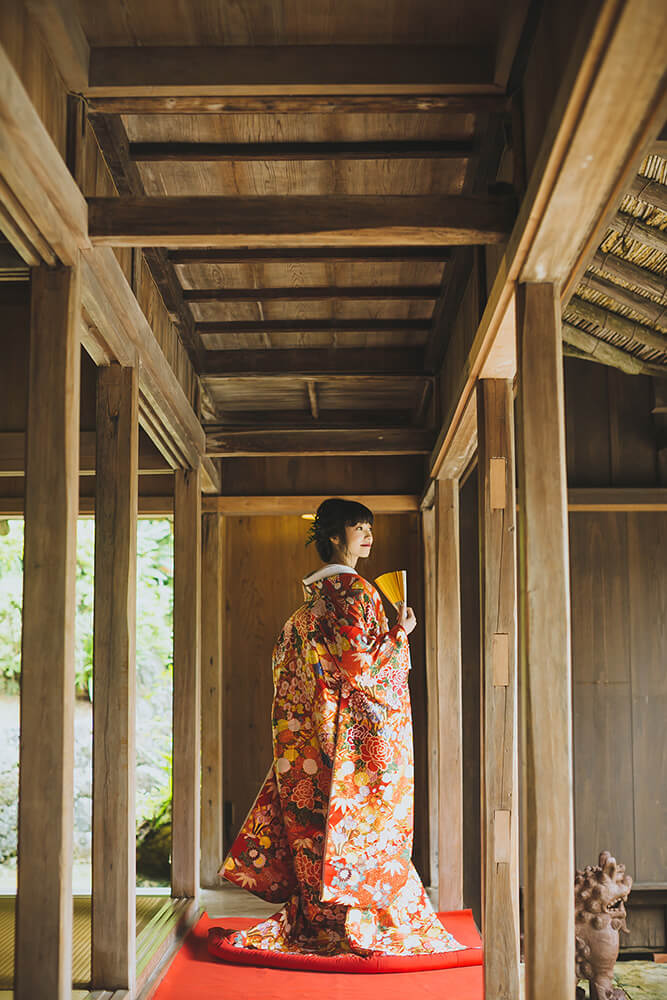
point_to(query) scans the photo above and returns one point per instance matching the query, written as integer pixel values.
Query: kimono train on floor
(330, 833)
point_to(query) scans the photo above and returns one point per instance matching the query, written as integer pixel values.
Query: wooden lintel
(319, 441)
(218, 103)
(308, 255)
(304, 293)
(290, 69)
(12, 456)
(301, 220)
(244, 506)
(610, 499)
(312, 361)
(149, 506)
(218, 152)
(316, 326)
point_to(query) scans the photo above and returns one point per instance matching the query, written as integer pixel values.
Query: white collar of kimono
(322, 574)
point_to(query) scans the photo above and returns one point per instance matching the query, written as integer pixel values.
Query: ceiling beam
(649, 281)
(311, 255)
(319, 441)
(468, 103)
(303, 293)
(237, 420)
(612, 322)
(305, 220)
(290, 69)
(12, 456)
(650, 310)
(245, 506)
(313, 362)
(332, 326)
(639, 231)
(220, 152)
(652, 192)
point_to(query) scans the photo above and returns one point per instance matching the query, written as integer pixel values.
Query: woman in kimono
(330, 833)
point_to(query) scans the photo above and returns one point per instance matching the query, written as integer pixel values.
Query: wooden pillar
(500, 780)
(430, 649)
(544, 649)
(450, 736)
(187, 692)
(114, 678)
(213, 527)
(43, 956)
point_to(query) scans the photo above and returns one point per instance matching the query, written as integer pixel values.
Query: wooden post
(430, 627)
(43, 956)
(500, 802)
(187, 692)
(450, 736)
(544, 648)
(212, 596)
(114, 677)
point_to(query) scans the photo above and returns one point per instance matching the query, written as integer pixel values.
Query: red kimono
(330, 833)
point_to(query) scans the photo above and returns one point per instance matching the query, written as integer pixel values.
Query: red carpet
(196, 975)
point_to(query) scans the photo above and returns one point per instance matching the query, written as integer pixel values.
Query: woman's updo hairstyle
(331, 519)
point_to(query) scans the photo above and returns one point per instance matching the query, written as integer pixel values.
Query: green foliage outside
(153, 658)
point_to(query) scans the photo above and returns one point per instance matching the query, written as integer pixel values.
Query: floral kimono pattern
(330, 833)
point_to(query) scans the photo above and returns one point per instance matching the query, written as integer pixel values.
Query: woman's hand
(406, 618)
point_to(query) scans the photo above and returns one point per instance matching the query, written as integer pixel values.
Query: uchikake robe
(330, 833)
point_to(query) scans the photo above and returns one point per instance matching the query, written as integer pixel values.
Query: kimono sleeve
(371, 661)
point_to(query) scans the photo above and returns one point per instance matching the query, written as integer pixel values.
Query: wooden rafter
(316, 326)
(636, 229)
(201, 152)
(301, 293)
(309, 255)
(652, 192)
(580, 344)
(648, 309)
(650, 282)
(319, 441)
(306, 220)
(312, 69)
(613, 322)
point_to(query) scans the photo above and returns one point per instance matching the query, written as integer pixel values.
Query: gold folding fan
(394, 586)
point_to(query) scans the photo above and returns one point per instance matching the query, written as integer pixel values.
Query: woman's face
(359, 539)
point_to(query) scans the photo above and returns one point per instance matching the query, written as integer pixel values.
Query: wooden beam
(319, 441)
(340, 361)
(126, 336)
(544, 644)
(212, 601)
(12, 456)
(113, 940)
(606, 92)
(463, 445)
(654, 193)
(65, 40)
(114, 144)
(187, 685)
(221, 152)
(149, 506)
(236, 420)
(316, 326)
(613, 322)
(606, 499)
(639, 231)
(35, 174)
(467, 103)
(448, 705)
(649, 282)
(302, 220)
(500, 777)
(288, 69)
(585, 345)
(648, 309)
(43, 961)
(244, 506)
(305, 293)
(308, 255)
(454, 283)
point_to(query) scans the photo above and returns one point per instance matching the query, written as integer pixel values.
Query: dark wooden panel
(587, 424)
(275, 476)
(632, 431)
(647, 562)
(470, 692)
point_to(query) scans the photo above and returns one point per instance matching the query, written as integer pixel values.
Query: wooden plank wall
(619, 636)
(265, 561)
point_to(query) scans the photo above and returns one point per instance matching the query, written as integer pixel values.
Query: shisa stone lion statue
(600, 894)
